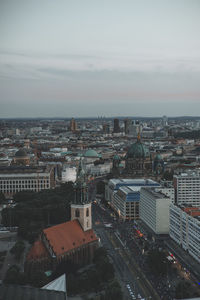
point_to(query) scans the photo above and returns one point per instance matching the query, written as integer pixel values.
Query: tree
(2, 198)
(158, 262)
(100, 187)
(12, 275)
(38, 279)
(113, 291)
(18, 249)
(183, 290)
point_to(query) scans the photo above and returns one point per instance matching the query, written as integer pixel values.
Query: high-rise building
(187, 188)
(184, 228)
(164, 121)
(154, 209)
(127, 125)
(116, 128)
(106, 128)
(73, 125)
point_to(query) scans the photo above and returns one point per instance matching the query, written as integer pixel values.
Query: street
(134, 283)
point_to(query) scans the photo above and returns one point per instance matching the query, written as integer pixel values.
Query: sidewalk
(186, 259)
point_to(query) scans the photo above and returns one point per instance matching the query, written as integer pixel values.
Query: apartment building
(187, 188)
(185, 228)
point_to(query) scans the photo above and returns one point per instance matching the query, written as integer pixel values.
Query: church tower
(81, 208)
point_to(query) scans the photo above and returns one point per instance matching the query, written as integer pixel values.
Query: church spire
(81, 193)
(138, 136)
(81, 206)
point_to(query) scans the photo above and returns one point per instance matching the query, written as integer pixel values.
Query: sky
(83, 58)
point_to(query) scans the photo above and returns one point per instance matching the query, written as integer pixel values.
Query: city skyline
(63, 59)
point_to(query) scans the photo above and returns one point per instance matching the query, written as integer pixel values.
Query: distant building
(187, 188)
(127, 125)
(73, 125)
(73, 241)
(154, 209)
(138, 161)
(164, 121)
(21, 158)
(116, 128)
(68, 174)
(185, 228)
(106, 128)
(15, 179)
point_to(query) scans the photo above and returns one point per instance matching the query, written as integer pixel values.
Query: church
(73, 241)
(139, 162)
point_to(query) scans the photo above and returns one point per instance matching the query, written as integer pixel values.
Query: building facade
(185, 228)
(124, 196)
(138, 162)
(187, 188)
(15, 179)
(154, 210)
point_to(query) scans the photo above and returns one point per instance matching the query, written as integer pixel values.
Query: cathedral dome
(91, 153)
(158, 157)
(116, 157)
(138, 150)
(21, 153)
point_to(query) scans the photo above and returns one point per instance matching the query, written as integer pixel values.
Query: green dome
(116, 157)
(91, 153)
(21, 153)
(138, 150)
(158, 157)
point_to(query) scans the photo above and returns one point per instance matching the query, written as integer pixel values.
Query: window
(87, 212)
(77, 213)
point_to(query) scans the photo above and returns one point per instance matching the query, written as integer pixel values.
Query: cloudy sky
(99, 57)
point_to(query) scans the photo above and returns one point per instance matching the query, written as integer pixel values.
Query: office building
(154, 209)
(187, 188)
(116, 128)
(185, 228)
(124, 196)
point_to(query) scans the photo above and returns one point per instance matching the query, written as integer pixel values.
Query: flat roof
(130, 189)
(156, 194)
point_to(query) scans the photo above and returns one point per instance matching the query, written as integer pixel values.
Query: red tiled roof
(37, 251)
(68, 236)
(192, 211)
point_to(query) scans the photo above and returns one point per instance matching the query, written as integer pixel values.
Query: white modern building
(185, 228)
(69, 174)
(187, 188)
(154, 209)
(124, 196)
(114, 184)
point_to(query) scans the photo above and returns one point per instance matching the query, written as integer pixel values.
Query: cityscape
(99, 150)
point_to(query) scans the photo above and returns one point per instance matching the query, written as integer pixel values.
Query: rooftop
(37, 251)
(18, 292)
(155, 193)
(68, 236)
